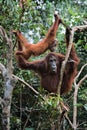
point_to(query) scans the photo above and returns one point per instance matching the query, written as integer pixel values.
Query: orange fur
(27, 49)
(50, 81)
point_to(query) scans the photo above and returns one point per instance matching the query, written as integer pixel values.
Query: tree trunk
(9, 82)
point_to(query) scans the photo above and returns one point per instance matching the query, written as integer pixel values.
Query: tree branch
(79, 73)
(3, 33)
(80, 82)
(68, 53)
(75, 96)
(4, 72)
(80, 28)
(71, 124)
(36, 92)
(9, 81)
(2, 102)
(3, 69)
(65, 61)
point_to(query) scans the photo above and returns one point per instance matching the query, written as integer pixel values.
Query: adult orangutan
(27, 49)
(49, 69)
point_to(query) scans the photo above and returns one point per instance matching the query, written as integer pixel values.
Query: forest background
(33, 18)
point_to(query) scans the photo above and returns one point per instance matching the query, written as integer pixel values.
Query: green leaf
(85, 106)
(85, 47)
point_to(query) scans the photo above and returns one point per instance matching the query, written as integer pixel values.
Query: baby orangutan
(27, 49)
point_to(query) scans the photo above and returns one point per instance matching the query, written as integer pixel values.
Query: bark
(68, 52)
(77, 85)
(9, 82)
(74, 124)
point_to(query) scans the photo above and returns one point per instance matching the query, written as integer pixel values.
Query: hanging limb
(66, 59)
(70, 39)
(68, 52)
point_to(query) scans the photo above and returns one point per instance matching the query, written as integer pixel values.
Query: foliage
(27, 108)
